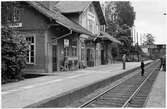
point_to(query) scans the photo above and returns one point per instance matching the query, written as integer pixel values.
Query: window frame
(66, 48)
(29, 52)
(66, 51)
(91, 25)
(74, 48)
(16, 15)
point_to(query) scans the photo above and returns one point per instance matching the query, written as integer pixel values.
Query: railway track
(129, 93)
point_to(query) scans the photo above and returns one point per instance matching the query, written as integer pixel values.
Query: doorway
(90, 58)
(102, 57)
(54, 57)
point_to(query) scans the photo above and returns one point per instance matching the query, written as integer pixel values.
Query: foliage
(114, 50)
(14, 50)
(149, 39)
(120, 18)
(125, 12)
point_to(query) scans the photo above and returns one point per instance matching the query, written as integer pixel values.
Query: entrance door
(90, 58)
(54, 57)
(102, 57)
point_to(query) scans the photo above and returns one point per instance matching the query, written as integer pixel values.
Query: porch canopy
(43, 8)
(106, 36)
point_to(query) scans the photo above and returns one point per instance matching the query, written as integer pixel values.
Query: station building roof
(44, 8)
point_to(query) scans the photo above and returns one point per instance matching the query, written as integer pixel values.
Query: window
(97, 29)
(66, 47)
(31, 53)
(74, 51)
(91, 9)
(90, 26)
(66, 51)
(9, 14)
(82, 50)
(74, 48)
(17, 15)
(102, 28)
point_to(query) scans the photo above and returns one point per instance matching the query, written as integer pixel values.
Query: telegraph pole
(137, 47)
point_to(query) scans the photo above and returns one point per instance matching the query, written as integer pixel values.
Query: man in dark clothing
(142, 68)
(163, 63)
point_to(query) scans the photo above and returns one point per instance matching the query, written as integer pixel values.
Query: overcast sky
(150, 18)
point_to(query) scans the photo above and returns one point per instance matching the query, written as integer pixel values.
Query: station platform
(157, 96)
(37, 90)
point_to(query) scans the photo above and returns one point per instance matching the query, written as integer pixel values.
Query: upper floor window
(102, 28)
(97, 29)
(91, 19)
(14, 14)
(90, 25)
(8, 14)
(17, 14)
(91, 8)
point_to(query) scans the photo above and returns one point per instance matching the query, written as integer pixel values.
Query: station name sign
(15, 25)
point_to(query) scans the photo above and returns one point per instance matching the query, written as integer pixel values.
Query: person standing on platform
(142, 68)
(124, 60)
(164, 63)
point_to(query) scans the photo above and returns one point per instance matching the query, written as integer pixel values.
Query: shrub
(13, 51)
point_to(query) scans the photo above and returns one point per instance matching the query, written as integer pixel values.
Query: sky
(150, 18)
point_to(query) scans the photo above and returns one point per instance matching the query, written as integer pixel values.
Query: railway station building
(61, 35)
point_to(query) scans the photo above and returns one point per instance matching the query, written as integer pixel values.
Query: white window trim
(14, 16)
(30, 63)
(93, 27)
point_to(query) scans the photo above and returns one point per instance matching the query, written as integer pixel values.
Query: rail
(131, 97)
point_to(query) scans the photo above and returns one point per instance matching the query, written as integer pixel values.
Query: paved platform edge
(77, 93)
(153, 89)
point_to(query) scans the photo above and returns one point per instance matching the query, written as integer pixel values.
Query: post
(137, 48)
(123, 60)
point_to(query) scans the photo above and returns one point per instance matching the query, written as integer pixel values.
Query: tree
(120, 18)
(110, 15)
(119, 15)
(149, 39)
(14, 51)
(125, 13)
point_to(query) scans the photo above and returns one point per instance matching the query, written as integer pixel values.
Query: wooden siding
(32, 19)
(39, 65)
(83, 18)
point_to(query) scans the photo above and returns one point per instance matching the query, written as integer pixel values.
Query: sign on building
(66, 43)
(15, 25)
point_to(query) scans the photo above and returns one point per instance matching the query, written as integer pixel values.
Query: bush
(14, 50)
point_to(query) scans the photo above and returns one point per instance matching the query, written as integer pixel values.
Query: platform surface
(157, 96)
(30, 91)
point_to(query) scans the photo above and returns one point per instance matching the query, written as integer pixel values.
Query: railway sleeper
(113, 101)
(111, 104)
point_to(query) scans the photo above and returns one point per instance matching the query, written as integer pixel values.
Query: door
(54, 57)
(102, 57)
(88, 57)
